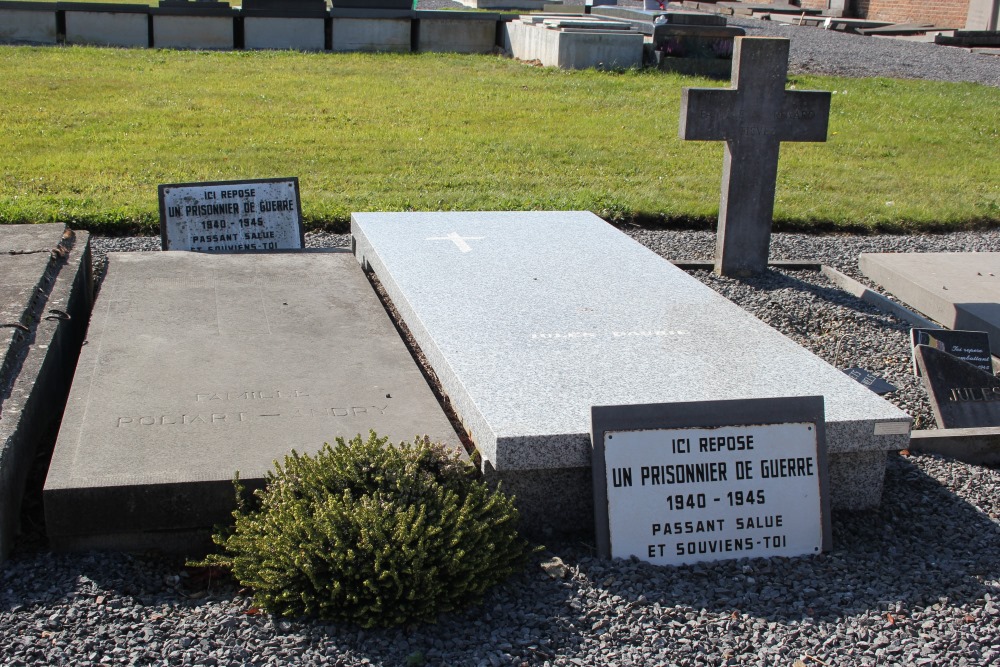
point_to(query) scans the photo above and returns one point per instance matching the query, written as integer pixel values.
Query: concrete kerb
(33, 409)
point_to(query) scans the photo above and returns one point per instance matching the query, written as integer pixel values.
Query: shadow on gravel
(922, 544)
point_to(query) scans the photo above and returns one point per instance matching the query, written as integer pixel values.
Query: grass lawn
(89, 133)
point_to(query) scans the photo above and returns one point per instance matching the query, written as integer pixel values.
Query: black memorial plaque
(970, 346)
(870, 380)
(962, 395)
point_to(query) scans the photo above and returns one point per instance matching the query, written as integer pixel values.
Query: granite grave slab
(202, 365)
(45, 300)
(531, 318)
(381, 30)
(960, 290)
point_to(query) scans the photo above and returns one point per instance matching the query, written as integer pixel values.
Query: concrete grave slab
(960, 290)
(45, 299)
(297, 33)
(28, 23)
(456, 32)
(284, 24)
(196, 26)
(572, 48)
(106, 25)
(199, 366)
(361, 30)
(531, 318)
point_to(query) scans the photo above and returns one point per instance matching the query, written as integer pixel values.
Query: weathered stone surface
(960, 290)
(530, 38)
(962, 396)
(28, 23)
(753, 118)
(531, 318)
(45, 299)
(193, 27)
(106, 25)
(199, 366)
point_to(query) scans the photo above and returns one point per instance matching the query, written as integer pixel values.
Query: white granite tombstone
(531, 318)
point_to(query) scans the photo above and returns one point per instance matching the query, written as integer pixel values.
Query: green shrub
(372, 534)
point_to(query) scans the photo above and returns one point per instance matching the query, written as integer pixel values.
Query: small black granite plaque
(962, 395)
(870, 380)
(970, 346)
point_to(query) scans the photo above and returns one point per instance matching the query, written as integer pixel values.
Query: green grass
(89, 133)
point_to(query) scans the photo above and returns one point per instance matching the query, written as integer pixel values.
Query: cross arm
(708, 114)
(804, 115)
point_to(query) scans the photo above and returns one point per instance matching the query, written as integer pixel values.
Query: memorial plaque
(232, 216)
(972, 347)
(962, 395)
(689, 482)
(870, 380)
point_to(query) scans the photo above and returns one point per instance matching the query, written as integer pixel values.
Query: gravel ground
(913, 582)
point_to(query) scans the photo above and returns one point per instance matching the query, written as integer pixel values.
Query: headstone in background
(194, 24)
(970, 346)
(531, 318)
(870, 380)
(960, 290)
(690, 482)
(202, 365)
(753, 118)
(962, 395)
(232, 216)
(46, 294)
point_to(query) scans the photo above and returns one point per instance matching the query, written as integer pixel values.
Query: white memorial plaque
(674, 496)
(232, 216)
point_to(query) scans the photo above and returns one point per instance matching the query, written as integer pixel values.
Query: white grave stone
(531, 318)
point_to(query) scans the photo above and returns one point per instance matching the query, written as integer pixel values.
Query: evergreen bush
(372, 534)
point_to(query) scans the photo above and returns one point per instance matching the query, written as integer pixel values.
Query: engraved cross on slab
(753, 117)
(458, 240)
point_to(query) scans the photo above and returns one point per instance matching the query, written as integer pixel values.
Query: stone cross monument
(753, 117)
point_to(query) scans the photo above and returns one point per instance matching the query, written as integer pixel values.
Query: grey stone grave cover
(200, 365)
